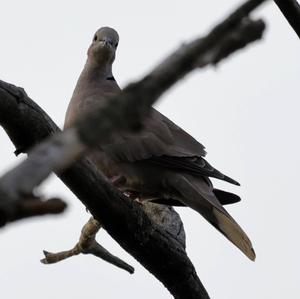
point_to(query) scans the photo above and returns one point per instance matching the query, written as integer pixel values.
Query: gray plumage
(162, 163)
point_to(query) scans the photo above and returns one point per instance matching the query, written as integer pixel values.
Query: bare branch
(27, 124)
(87, 244)
(125, 111)
(124, 219)
(33, 206)
(247, 32)
(38, 207)
(291, 10)
(158, 245)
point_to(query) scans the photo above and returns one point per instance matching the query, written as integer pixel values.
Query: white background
(246, 113)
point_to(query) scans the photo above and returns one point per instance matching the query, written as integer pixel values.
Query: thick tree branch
(149, 242)
(291, 10)
(154, 243)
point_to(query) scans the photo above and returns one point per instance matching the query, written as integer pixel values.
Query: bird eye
(116, 44)
(95, 38)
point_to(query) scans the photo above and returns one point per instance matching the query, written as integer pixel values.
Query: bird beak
(106, 41)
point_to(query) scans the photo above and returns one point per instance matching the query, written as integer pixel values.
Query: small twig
(31, 206)
(87, 244)
(291, 10)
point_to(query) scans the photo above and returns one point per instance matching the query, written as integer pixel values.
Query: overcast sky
(246, 113)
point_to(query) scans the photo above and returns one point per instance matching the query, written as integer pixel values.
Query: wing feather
(163, 143)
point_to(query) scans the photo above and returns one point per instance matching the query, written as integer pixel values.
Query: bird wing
(159, 137)
(224, 197)
(163, 143)
(192, 165)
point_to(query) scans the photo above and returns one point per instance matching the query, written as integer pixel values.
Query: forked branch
(149, 242)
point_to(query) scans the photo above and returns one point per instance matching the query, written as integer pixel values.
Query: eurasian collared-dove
(162, 162)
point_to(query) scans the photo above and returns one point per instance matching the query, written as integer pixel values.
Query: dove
(161, 163)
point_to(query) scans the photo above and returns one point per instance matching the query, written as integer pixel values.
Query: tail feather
(233, 232)
(198, 194)
(226, 198)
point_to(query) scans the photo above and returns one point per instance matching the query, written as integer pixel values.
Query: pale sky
(246, 113)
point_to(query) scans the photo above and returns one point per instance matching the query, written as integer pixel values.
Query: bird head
(104, 45)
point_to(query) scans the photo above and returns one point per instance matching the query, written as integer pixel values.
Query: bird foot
(117, 180)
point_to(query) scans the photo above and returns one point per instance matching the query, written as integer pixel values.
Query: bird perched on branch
(161, 163)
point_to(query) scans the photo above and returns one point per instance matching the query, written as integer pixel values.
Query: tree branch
(34, 206)
(87, 244)
(154, 243)
(150, 243)
(125, 111)
(291, 10)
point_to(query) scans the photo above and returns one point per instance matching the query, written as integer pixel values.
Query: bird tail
(197, 193)
(226, 198)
